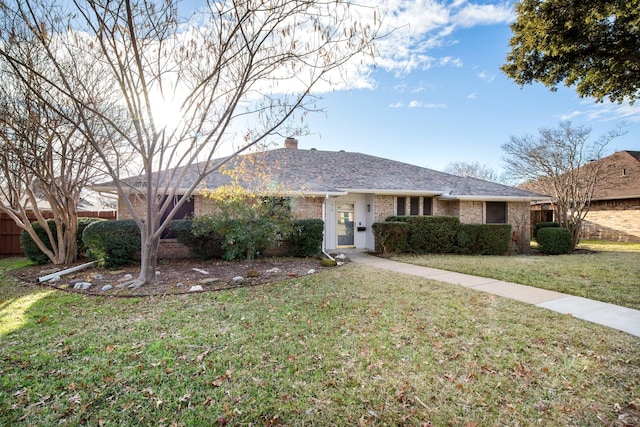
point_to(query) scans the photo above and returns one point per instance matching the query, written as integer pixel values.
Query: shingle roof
(623, 176)
(320, 172)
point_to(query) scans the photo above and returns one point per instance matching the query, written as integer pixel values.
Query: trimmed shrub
(203, 247)
(484, 239)
(555, 241)
(31, 250)
(431, 234)
(540, 225)
(112, 243)
(390, 237)
(306, 238)
(82, 224)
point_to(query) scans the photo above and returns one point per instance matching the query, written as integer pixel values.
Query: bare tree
(45, 162)
(562, 163)
(473, 170)
(189, 87)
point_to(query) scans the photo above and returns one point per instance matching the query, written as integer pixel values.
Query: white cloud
(471, 15)
(420, 104)
(606, 112)
(487, 76)
(472, 95)
(415, 28)
(398, 104)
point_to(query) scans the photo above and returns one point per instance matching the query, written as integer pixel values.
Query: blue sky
(437, 94)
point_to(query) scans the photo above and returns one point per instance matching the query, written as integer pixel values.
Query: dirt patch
(177, 276)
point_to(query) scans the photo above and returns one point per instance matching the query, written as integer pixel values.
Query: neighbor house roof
(316, 172)
(619, 177)
(622, 170)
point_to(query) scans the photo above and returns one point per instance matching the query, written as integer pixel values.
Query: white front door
(345, 224)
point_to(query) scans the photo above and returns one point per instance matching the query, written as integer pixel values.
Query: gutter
(491, 198)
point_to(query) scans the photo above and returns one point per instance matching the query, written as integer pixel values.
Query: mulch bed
(176, 276)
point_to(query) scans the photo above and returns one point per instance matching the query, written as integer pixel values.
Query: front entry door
(345, 224)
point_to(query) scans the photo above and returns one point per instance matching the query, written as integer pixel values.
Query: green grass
(611, 273)
(350, 346)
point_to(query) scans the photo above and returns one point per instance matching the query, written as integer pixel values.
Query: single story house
(614, 211)
(351, 191)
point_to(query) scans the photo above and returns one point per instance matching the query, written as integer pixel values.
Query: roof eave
(386, 192)
(474, 198)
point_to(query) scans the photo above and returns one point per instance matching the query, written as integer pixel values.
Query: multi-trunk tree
(563, 164)
(177, 91)
(45, 161)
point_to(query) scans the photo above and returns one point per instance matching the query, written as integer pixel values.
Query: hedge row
(304, 241)
(113, 243)
(440, 234)
(116, 243)
(33, 252)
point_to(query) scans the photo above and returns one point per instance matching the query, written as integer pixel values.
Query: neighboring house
(351, 191)
(615, 207)
(614, 211)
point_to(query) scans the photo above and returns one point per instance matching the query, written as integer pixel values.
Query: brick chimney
(291, 143)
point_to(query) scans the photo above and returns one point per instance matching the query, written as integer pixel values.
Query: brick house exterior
(614, 211)
(351, 191)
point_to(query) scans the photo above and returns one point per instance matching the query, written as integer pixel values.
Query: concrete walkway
(613, 316)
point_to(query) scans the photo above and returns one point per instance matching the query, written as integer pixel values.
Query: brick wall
(307, 208)
(385, 206)
(617, 220)
(171, 249)
(471, 212)
(139, 205)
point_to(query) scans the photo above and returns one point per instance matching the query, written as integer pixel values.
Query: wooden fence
(10, 232)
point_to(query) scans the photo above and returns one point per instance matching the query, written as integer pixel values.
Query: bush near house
(540, 225)
(306, 238)
(203, 247)
(484, 239)
(430, 234)
(33, 252)
(112, 243)
(440, 235)
(390, 237)
(555, 241)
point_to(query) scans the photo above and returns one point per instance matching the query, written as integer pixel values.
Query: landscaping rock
(274, 270)
(82, 286)
(97, 276)
(200, 270)
(180, 284)
(196, 288)
(311, 271)
(106, 288)
(238, 280)
(209, 280)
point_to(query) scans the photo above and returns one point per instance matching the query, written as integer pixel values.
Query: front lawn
(603, 271)
(349, 346)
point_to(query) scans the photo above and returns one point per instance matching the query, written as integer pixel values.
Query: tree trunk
(148, 263)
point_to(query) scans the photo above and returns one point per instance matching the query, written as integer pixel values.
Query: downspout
(324, 229)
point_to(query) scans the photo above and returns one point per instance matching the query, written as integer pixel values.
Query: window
(185, 211)
(401, 209)
(427, 206)
(414, 206)
(496, 212)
